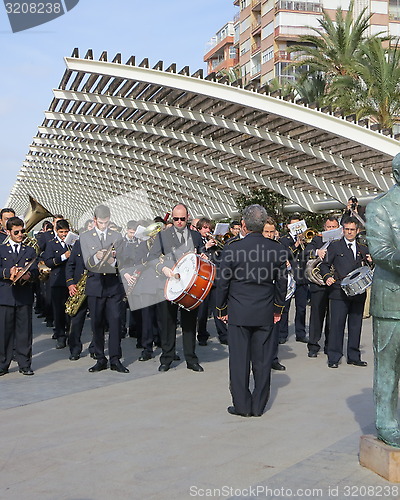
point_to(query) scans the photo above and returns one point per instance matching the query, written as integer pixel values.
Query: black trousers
(202, 317)
(169, 313)
(250, 348)
(300, 298)
(319, 313)
(59, 295)
(104, 309)
(15, 332)
(340, 311)
(75, 330)
(152, 322)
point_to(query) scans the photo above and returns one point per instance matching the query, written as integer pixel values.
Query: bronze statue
(383, 235)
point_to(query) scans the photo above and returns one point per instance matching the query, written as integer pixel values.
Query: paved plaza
(67, 434)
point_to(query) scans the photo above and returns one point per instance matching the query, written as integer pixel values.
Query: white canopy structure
(115, 129)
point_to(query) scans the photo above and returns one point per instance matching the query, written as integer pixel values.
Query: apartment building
(222, 50)
(263, 31)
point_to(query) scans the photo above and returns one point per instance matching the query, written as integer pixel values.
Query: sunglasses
(22, 231)
(179, 218)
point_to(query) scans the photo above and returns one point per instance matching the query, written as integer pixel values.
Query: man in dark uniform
(74, 271)
(16, 300)
(5, 214)
(55, 256)
(251, 291)
(104, 289)
(345, 255)
(298, 260)
(319, 295)
(168, 247)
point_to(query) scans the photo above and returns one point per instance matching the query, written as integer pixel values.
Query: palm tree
(376, 90)
(335, 48)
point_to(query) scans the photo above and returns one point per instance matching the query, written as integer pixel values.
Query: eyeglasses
(179, 218)
(22, 231)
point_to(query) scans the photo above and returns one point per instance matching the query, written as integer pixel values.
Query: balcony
(283, 55)
(290, 32)
(256, 25)
(255, 70)
(256, 4)
(256, 47)
(296, 6)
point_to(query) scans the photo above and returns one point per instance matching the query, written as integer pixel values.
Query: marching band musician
(251, 291)
(73, 273)
(168, 247)
(297, 258)
(213, 252)
(16, 300)
(5, 214)
(270, 232)
(104, 289)
(319, 295)
(345, 255)
(55, 256)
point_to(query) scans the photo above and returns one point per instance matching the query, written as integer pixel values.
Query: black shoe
(357, 363)
(74, 357)
(145, 356)
(117, 366)
(41, 315)
(54, 336)
(282, 341)
(26, 371)
(333, 365)
(304, 340)
(203, 342)
(177, 357)
(312, 355)
(163, 368)
(98, 367)
(93, 355)
(277, 366)
(195, 367)
(139, 345)
(223, 342)
(3, 371)
(132, 333)
(61, 343)
(232, 411)
(49, 324)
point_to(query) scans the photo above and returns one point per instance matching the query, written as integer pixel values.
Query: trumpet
(306, 236)
(220, 244)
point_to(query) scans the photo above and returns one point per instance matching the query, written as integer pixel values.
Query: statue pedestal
(380, 458)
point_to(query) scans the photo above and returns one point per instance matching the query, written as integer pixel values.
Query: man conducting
(251, 291)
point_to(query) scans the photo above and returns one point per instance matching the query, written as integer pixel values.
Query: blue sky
(32, 60)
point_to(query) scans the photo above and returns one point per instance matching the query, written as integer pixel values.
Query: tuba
(35, 214)
(312, 271)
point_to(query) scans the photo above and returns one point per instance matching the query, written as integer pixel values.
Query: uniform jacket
(383, 234)
(75, 266)
(252, 280)
(104, 282)
(297, 258)
(342, 258)
(43, 238)
(16, 295)
(315, 244)
(3, 236)
(52, 258)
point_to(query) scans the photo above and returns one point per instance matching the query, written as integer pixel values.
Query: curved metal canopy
(115, 129)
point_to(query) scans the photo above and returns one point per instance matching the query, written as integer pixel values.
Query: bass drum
(192, 281)
(357, 281)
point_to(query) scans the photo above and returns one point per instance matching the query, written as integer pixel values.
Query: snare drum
(192, 283)
(357, 281)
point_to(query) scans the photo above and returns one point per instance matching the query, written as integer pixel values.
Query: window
(267, 55)
(267, 30)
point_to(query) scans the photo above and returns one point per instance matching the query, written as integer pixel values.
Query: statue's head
(396, 168)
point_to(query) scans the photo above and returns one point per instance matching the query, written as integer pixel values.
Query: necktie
(183, 241)
(102, 239)
(16, 249)
(350, 245)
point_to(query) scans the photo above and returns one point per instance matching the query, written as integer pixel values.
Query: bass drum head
(186, 267)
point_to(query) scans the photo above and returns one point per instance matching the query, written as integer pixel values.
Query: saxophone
(73, 303)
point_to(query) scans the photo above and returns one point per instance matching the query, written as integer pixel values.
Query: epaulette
(232, 240)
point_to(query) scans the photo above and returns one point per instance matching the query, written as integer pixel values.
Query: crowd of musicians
(120, 281)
